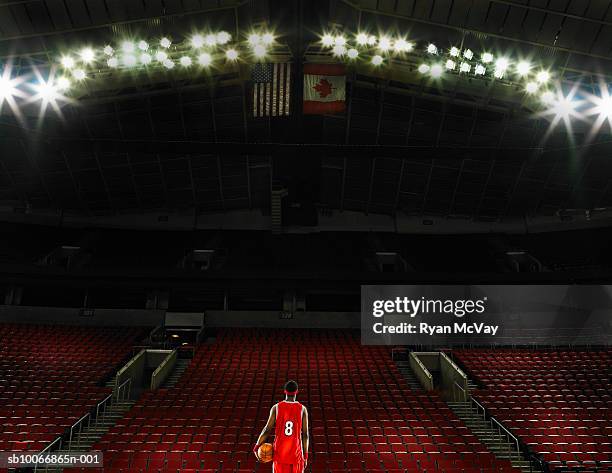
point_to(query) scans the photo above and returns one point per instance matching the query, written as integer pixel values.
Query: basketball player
(289, 420)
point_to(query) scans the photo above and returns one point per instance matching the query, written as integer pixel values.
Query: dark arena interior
(403, 206)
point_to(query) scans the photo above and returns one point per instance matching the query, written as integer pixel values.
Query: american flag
(271, 89)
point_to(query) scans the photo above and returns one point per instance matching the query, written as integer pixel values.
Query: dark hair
(291, 386)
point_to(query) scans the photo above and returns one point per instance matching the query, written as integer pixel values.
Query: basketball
(265, 452)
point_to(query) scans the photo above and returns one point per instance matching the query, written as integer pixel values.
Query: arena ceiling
(472, 150)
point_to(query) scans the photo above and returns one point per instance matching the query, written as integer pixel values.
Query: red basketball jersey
(288, 433)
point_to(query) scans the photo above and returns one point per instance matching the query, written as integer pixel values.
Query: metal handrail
(480, 407)
(80, 424)
(103, 402)
(465, 398)
(48, 447)
(420, 363)
(120, 388)
(506, 431)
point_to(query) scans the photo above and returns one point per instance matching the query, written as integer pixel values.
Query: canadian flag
(324, 88)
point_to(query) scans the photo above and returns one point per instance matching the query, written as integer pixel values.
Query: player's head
(291, 388)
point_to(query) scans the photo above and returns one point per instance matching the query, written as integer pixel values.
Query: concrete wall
(164, 369)
(70, 316)
(421, 372)
(272, 319)
(152, 318)
(452, 374)
(133, 369)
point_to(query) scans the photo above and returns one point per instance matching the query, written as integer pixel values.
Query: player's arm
(305, 436)
(266, 430)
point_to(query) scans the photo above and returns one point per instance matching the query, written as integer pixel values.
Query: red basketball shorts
(287, 467)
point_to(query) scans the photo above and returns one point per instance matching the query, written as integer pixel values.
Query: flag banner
(324, 88)
(271, 89)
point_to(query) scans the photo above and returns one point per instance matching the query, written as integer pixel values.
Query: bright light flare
(352, 53)
(185, 61)
(436, 71)
(480, 70)
(127, 47)
(205, 59)
(384, 43)
(7, 89)
(424, 68)
(63, 83)
(161, 56)
(465, 67)
(402, 46)
(523, 68)
(543, 76)
(432, 49)
(255, 38)
(231, 54)
(267, 39)
(450, 65)
(531, 87)
(377, 60)
(79, 74)
(87, 55)
(454, 51)
(67, 62)
(260, 51)
(362, 39)
(223, 37)
(165, 42)
(210, 40)
(146, 58)
(468, 54)
(108, 50)
(339, 50)
(487, 58)
(143, 45)
(327, 40)
(197, 41)
(129, 60)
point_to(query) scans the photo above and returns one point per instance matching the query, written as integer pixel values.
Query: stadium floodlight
(87, 55)
(129, 60)
(487, 58)
(339, 50)
(143, 45)
(127, 47)
(499, 73)
(231, 54)
(210, 40)
(384, 43)
(372, 40)
(523, 68)
(450, 64)
(168, 64)
(543, 76)
(112, 62)
(377, 60)
(67, 62)
(402, 46)
(79, 74)
(454, 51)
(223, 37)
(46, 91)
(185, 61)
(108, 50)
(352, 53)
(531, 87)
(267, 39)
(146, 58)
(205, 59)
(63, 83)
(480, 70)
(197, 41)
(161, 56)
(339, 40)
(432, 49)
(564, 107)
(327, 40)
(165, 42)
(604, 108)
(468, 54)
(254, 39)
(7, 89)
(465, 67)
(502, 63)
(424, 68)
(362, 39)
(260, 51)
(548, 97)
(436, 71)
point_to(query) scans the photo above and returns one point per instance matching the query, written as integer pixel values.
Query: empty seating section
(363, 415)
(557, 402)
(50, 377)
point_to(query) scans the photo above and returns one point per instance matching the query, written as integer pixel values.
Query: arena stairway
(496, 443)
(490, 437)
(177, 372)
